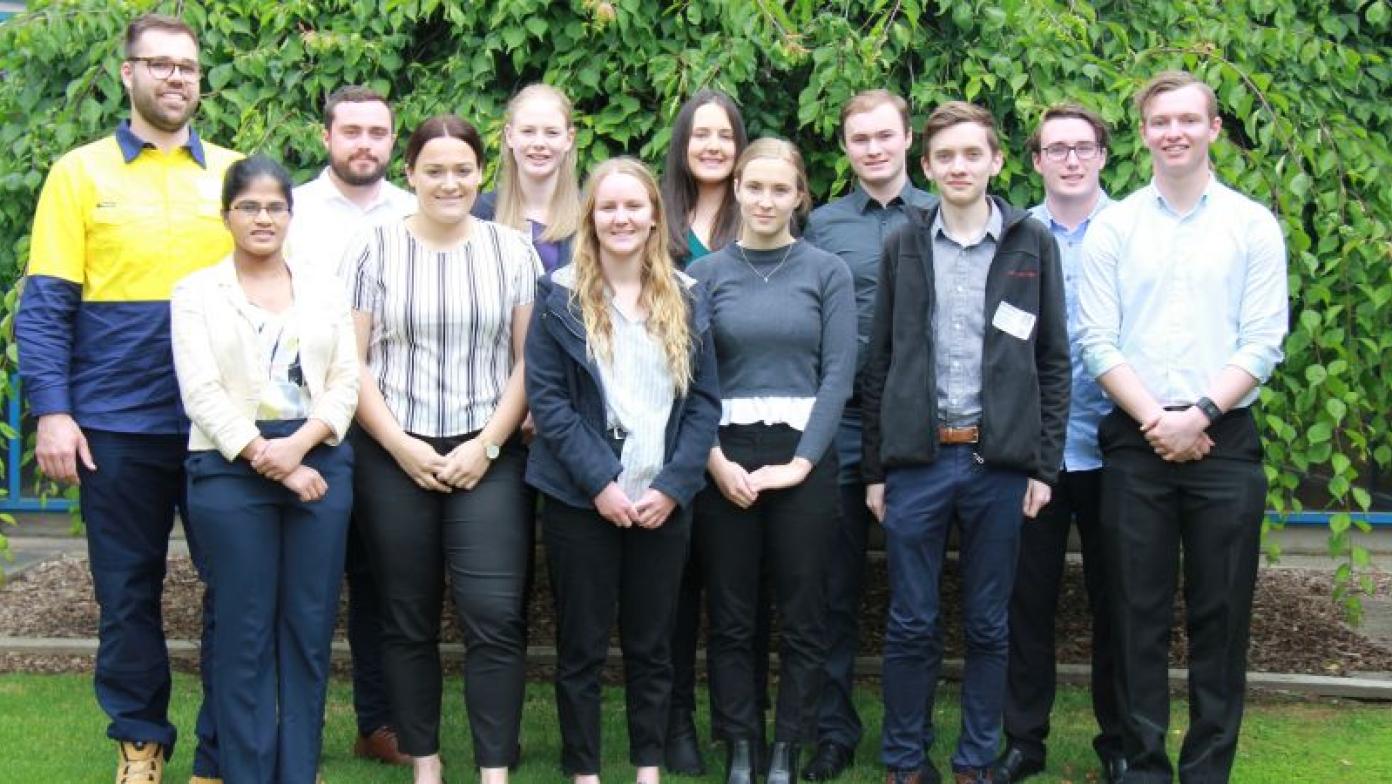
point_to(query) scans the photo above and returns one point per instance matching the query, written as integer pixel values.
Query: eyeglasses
(162, 67)
(1085, 151)
(251, 209)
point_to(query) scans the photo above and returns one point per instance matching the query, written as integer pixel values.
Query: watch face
(491, 451)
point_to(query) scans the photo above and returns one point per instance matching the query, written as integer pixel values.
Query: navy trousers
(128, 507)
(921, 503)
(365, 636)
(276, 564)
(837, 719)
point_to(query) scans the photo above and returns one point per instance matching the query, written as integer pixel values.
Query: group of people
(697, 385)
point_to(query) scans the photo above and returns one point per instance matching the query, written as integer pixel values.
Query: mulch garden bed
(1296, 628)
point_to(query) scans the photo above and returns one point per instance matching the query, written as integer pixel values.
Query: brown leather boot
(380, 745)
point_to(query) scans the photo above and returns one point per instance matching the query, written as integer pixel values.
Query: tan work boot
(139, 763)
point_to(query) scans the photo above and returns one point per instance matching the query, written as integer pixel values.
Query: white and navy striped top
(441, 341)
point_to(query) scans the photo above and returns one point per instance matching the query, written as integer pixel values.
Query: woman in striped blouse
(621, 380)
(441, 304)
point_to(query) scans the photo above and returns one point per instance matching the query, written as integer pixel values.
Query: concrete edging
(1369, 689)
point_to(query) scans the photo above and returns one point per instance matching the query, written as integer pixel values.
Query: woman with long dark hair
(708, 136)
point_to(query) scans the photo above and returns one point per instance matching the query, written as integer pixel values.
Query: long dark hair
(679, 187)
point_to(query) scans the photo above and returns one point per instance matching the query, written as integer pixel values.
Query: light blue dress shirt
(1180, 296)
(1087, 403)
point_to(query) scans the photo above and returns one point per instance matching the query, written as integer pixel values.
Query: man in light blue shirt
(1069, 150)
(1183, 310)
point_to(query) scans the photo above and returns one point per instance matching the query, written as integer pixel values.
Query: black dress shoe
(682, 753)
(783, 763)
(739, 762)
(1014, 766)
(830, 761)
(1113, 770)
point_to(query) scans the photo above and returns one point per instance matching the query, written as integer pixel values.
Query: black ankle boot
(783, 763)
(683, 749)
(738, 763)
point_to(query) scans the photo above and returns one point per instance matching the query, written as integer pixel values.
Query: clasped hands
(282, 460)
(461, 469)
(651, 511)
(742, 487)
(1179, 436)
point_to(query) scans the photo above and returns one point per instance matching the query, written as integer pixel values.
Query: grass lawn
(54, 719)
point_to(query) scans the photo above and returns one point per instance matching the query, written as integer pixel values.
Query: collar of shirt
(910, 195)
(1164, 205)
(131, 145)
(1041, 211)
(329, 192)
(992, 228)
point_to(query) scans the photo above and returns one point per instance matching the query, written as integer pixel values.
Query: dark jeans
(599, 570)
(128, 506)
(837, 719)
(785, 531)
(365, 635)
(1211, 509)
(482, 538)
(276, 565)
(921, 504)
(1077, 499)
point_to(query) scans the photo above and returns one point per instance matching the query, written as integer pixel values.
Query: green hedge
(1303, 86)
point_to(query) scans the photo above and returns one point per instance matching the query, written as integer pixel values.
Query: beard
(147, 105)
(345, 172)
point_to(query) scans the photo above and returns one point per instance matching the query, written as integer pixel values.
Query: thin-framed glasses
(251, 209)
(1085, 151)
(162, 67)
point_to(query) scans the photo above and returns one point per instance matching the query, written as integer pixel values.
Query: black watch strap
(1209, 409)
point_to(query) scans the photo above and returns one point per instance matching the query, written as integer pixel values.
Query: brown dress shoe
(903, 776)
(380, 746)
(976, 776)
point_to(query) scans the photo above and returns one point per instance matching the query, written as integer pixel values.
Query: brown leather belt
(959, 435)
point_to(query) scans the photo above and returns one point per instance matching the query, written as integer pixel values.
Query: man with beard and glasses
(119, 221)
(352, 192)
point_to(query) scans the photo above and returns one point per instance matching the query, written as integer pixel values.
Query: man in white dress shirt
(1183, 310)
(349, 195)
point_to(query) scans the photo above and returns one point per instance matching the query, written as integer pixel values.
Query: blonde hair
(662, 296)
(563, 213)
(779, 150)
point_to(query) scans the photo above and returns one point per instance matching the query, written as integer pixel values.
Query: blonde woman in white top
(268, 372)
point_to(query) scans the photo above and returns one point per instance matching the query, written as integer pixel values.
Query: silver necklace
(776, 267)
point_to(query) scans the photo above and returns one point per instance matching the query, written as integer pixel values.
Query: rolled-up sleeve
(1099, 307)
(1263, 315)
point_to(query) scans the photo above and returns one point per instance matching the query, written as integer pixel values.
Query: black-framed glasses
(1085, 151)
(162, 67)
(251, 209)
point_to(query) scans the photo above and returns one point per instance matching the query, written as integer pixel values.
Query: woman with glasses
(441, 304)
(268, 372)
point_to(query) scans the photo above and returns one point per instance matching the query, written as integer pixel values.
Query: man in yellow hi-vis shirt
(119, 221)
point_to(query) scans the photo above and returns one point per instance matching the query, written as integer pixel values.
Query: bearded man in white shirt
(349, 195)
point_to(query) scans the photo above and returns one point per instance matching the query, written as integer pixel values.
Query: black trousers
(1211, 510)
(787, 532)
(365, 635)
(1031, 676)
(483, 538)
(599, 570)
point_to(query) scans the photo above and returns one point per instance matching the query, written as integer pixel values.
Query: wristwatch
(491, 450)
(1209, 409)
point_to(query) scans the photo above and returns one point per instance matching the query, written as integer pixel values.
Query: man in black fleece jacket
(965, 398)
